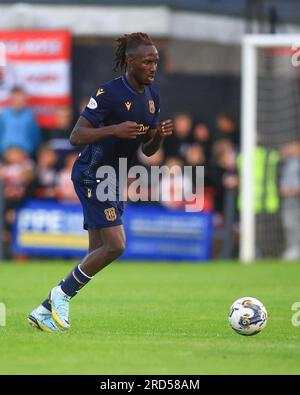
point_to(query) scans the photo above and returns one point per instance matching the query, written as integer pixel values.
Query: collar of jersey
(129, 87)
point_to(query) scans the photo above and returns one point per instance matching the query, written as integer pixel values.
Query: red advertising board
(40, 62)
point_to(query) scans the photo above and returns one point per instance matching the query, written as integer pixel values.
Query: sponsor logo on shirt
(143, 129)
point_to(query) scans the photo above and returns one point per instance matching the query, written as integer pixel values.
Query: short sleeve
(155, 120)
(98, 107)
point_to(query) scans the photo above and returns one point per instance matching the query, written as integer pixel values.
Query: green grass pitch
(160, 318)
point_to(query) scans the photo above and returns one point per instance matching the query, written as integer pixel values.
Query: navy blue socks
(74, 282)
(71, 284)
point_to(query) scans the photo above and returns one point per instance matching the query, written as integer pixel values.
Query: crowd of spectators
(37, 163)
(34, 163)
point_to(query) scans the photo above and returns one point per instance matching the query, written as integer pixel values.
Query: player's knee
(116, 249)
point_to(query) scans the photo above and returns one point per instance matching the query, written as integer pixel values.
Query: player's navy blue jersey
(112, 103)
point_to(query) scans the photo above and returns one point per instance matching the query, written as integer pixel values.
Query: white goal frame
(248, 129)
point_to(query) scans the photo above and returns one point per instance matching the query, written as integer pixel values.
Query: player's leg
(106, 243)
(41, 317)
(113, 245)
(95, 239)
(113, 239)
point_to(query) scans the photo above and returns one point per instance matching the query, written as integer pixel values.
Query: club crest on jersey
(128, 105)
(92, 104)
(99, 92)
(110, 214)
(89, 193)
(151, 106)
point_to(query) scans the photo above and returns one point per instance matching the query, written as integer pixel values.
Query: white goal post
(250, 45)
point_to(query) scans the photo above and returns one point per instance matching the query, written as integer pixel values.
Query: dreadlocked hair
(127, 43)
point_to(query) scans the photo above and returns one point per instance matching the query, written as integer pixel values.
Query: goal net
(270, 154)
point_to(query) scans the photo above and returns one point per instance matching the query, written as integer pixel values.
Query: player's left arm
(155, 137)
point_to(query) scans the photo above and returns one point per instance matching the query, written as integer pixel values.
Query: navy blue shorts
(97, 214)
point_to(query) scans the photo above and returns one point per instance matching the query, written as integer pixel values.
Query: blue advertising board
(155, 232)
(152, 232)
(50, 228)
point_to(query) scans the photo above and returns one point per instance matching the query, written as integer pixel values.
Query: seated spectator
(174, 188)
(46, 173)
(201, 135)
(195, 155)
(227, 128)
(177, 144)
(225, 182)
(224, 170)
(18, 126)
(58, 138)
(17, 174)
(64, 188)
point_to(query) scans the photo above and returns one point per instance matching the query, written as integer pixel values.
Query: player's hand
(129, 130)
(165, 128)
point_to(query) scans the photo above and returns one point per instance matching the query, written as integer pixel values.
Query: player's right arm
(89, 128)
(85, 133)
